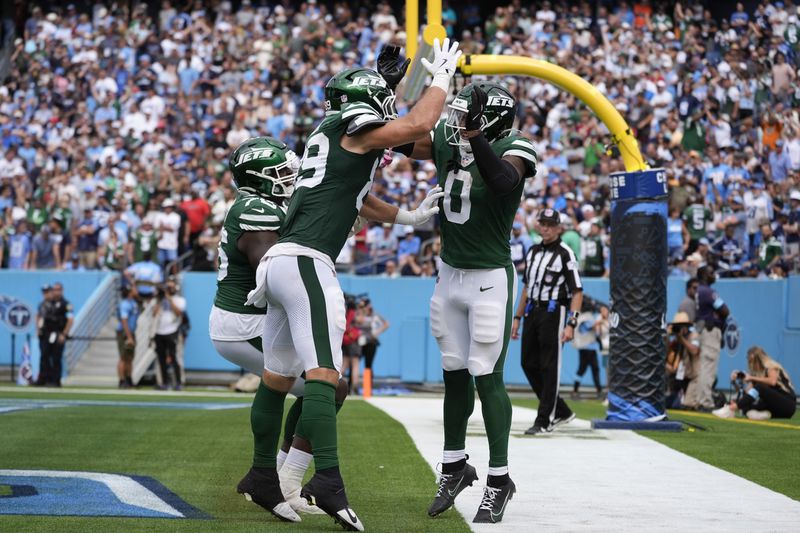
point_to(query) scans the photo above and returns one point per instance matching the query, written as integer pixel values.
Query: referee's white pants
(471, 314)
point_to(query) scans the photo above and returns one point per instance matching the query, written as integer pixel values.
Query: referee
(551, 284)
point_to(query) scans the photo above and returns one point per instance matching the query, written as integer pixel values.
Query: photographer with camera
(683, 349)
(763, 392)
(169, 310)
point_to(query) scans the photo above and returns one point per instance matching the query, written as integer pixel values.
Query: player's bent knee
(438, 328)
(487, 323)
(452, 362)
(480, 367)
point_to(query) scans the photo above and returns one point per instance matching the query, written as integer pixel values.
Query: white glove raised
(445, 58)
(424, 212)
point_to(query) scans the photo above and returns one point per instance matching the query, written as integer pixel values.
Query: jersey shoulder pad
(359, 116)
(521, 147)
(253, 213)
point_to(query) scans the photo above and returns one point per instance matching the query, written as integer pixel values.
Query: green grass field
(200, 455)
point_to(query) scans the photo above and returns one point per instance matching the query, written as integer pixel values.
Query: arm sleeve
(500, 176)
(405, 149)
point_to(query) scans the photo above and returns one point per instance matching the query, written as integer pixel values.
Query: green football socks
(459, 401)
(496, 409)
(266, 417)
(318, 422)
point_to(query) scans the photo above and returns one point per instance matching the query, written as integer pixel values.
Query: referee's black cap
(549, 216)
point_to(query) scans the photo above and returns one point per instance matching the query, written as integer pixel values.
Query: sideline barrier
(767, 312)
(408, 352)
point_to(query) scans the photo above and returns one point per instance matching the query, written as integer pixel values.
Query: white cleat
(291, 479)
(348, 520)
(724, 412)
(285, 512)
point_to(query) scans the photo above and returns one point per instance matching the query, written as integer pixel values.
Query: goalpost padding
(636, 375)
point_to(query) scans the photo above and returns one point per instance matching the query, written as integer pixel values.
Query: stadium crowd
(116, 125)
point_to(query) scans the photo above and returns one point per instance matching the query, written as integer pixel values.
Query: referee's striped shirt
(551, 273)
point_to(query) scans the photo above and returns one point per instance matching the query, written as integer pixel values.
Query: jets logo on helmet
(264, 166)
(360, 85)
(498, 116)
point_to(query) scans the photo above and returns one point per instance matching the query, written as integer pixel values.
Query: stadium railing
(90, 320)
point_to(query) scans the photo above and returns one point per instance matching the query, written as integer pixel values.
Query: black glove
(475, 110)
(390, 67)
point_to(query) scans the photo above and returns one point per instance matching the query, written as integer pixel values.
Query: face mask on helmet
(387, 107)
(454, 125)
(281, 176)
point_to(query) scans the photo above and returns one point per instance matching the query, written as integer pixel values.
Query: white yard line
(579, 479)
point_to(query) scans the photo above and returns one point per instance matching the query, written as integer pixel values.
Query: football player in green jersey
(483, 164)
(306, 313)
(264, 170)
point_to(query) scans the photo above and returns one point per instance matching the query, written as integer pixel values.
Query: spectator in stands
(765, 391)
(391, 270)
(407, 251)
(168, 224)
(86, 235)
(136, 110)
(127, 313)
(20, 247)
(383, 245)
(770, 250)
(145, 275)
(46, 249)
(168, 311)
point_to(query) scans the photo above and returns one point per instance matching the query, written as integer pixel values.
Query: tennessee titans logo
(61, 493)
(15, 313)
(732, 337)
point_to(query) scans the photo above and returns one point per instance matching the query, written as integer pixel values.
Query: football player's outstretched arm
(254, 244)
(423, 116)
(376, 209)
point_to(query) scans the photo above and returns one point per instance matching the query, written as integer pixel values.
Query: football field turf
(201, 454)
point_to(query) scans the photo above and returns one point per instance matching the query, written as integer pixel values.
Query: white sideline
(579, 479)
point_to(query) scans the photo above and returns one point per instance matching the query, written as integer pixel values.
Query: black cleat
(538, 430)
(326, 490)
(562, 420)
(493, 504)
(450, 486)
(263, 488)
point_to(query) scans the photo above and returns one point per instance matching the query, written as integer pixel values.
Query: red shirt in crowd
(197, 211)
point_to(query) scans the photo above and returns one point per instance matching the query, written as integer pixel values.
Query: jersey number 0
(456, 196)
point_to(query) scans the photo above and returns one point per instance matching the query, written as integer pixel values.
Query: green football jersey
(593, 260)
(331, 185)
(476, 223)
(696, 216)
(236, 277)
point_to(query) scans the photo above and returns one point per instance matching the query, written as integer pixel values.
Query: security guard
(55, 319)
(551, 284)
